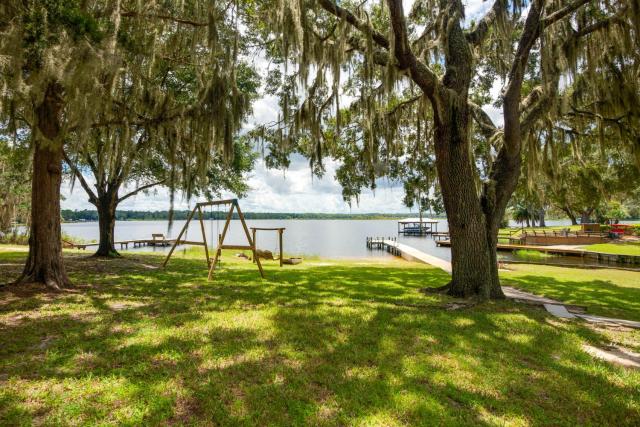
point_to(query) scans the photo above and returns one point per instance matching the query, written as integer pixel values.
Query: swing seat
(292, 260)
(268, 255)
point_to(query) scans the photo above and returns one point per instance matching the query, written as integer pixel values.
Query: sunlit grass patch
(531, 255)
(618, 248)
(328, 342)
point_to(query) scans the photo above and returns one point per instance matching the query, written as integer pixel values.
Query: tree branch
(601, 24)
(561, 13)
(420, 73)
(506, 168)
(402, 48)
(342, 13)
(163, 17)
(139, 189)
(512, 93)
(481, 30)
(487, 127)
(92, 196)
(403, 104)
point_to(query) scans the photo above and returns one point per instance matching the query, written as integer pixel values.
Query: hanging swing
(280, 231)
(186, 237)
(218, 251)
(216, 236)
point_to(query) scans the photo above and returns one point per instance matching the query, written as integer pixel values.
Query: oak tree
(347, 64)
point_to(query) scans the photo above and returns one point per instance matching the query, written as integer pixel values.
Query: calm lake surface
(324, 238)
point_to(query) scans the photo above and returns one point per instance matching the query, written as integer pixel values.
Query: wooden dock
(138, 243)
(392, 246)
(559, 249)
(566, 250)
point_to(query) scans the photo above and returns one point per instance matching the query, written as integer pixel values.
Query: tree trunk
(571, 215)
(585, 218)
(44, 263)
(472, 251)
(106, 206)
(541, 217)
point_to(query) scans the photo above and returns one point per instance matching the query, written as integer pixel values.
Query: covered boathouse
(417, 226)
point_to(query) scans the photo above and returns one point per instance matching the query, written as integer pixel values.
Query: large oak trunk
(106, 221)
(473, 238)
(44, 263)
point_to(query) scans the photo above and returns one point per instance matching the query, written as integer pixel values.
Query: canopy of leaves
(132, 75)
(329, 54)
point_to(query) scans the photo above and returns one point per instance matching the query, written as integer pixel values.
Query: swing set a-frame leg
(220, 241)
(252, 242)
(204, 237)
(177, 242)
(218, 254)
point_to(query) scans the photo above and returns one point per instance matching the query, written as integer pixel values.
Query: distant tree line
(92, 215)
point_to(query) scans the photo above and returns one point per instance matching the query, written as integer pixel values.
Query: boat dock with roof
(417, 226)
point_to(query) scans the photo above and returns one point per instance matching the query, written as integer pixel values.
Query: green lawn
(606, 292)
(626, 248)
(322, 343)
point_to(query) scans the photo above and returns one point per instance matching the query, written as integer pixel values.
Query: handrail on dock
(124, 244)
(390, 244)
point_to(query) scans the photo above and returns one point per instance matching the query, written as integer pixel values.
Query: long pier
(391, 245)
(563, 250)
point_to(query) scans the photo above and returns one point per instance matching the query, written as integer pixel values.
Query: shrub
(14, 238)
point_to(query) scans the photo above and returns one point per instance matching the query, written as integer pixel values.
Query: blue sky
(294, 190)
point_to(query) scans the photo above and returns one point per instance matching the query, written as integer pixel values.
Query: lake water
(324, 238)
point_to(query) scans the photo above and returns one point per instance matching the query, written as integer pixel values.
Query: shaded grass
(607, 292)
(322, 343)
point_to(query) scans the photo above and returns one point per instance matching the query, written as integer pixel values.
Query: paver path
(557, 308)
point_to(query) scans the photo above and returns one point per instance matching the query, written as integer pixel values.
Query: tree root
(112, 254)
(439, 290)
(57, 283)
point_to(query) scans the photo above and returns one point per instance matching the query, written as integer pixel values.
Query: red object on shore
(619, 228)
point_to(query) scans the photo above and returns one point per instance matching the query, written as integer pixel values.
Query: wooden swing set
(212, 263)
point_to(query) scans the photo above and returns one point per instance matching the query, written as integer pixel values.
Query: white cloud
(493, 112)
(294, 190)
(475, 9)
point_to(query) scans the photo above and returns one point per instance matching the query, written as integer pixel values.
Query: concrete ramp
(413, 254)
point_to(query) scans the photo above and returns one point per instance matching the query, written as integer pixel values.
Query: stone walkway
(617, 355)
(560, 309)
(556, 308)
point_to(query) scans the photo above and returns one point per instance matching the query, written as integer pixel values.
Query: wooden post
(280, 236)
(220, 240)
(164, 264)
(251, 242)
(213, 262)
(253, 232)
(204, 237)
